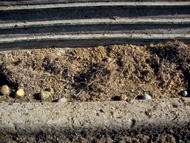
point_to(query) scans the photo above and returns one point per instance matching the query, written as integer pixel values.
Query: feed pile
(114, 72)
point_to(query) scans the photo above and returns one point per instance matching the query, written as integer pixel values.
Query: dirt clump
(114, 72)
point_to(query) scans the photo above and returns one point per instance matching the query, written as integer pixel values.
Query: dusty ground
(175, 135)
(115, 72)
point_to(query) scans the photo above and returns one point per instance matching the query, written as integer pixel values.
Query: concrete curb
(32, 118)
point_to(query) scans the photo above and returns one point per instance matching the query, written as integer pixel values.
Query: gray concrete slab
(32, 118)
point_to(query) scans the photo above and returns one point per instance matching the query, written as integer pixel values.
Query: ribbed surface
(33, 2)
(96, 4)
(27, 24)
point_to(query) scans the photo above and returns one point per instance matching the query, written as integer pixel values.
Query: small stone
(50, 90)
(122, 141)
(146, 96)
(124, 97)
(19, 93)
(184, 93)
(44, 95)
(62, 100)
(5, 90)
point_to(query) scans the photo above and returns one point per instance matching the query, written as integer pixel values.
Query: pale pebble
(184, 93)
(146, 96)
(62, 100)
(44, 95)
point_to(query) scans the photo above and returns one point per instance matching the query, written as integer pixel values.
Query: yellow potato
(19, 93)
(5, 90)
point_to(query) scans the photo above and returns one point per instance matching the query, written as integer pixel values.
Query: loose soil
(114, 72)
(169, 135)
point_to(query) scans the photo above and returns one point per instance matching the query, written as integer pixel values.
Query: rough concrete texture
(32, 118)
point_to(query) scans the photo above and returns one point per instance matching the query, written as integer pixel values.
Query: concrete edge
(32, 118)
(95, 4)
(95, 21)
(94, 37)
